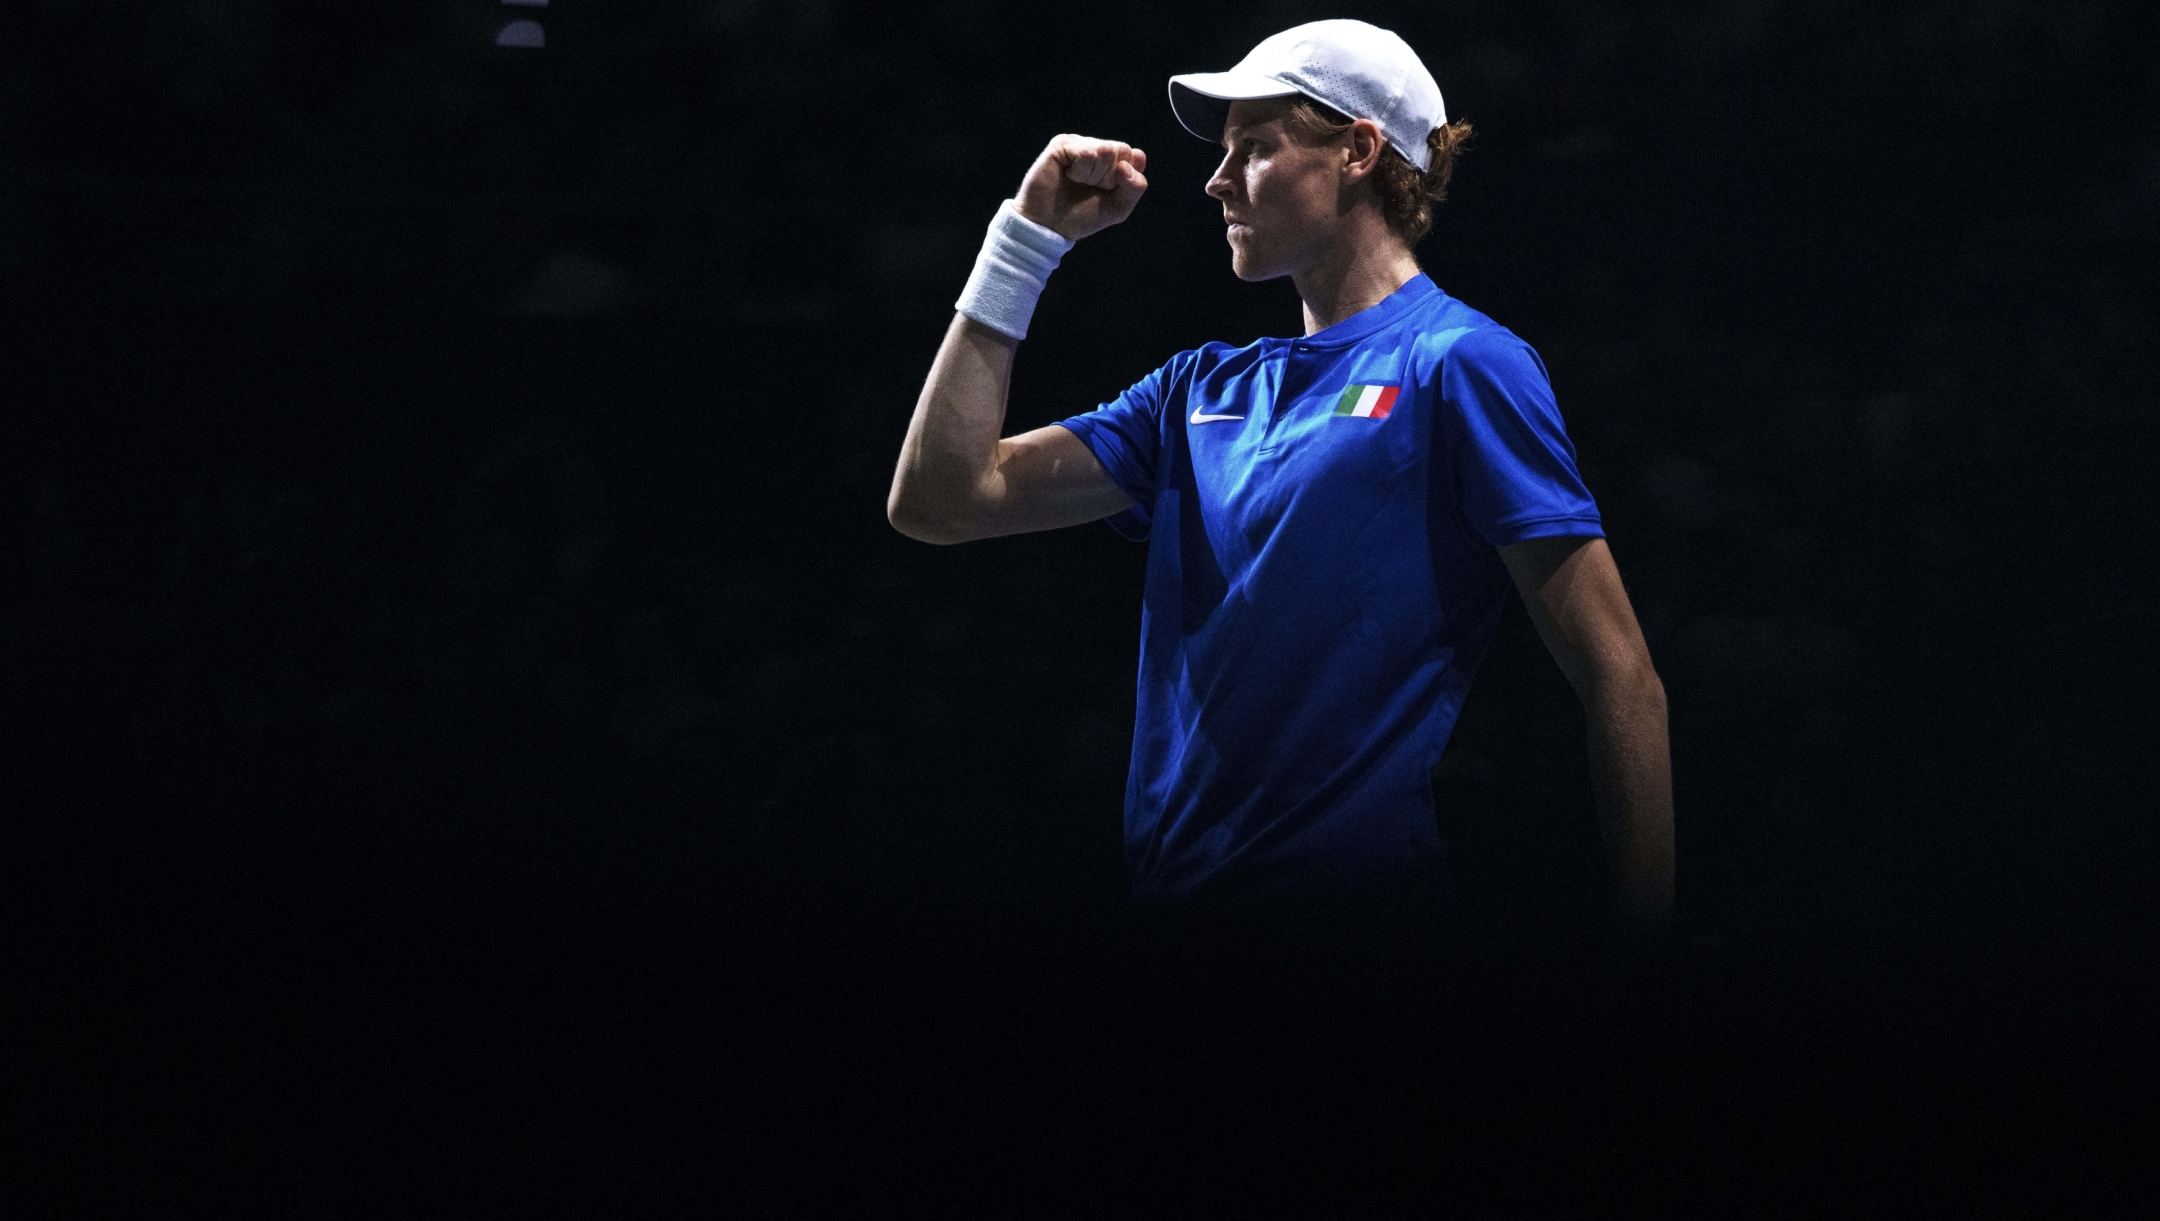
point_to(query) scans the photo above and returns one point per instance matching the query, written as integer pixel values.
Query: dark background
(454, 666)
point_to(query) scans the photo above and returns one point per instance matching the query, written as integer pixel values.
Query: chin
(1248, 267)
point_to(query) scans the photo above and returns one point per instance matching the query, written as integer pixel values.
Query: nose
(1222, 186)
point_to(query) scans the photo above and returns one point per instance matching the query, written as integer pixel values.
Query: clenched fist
(1081, 185)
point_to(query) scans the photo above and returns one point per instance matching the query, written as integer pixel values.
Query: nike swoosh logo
(1197, 418)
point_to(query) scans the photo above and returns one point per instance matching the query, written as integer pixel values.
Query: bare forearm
(958, 478)
(1572, 590)
(1631, 767)
(952, 441)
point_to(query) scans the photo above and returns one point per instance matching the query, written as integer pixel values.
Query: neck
(1353, 274)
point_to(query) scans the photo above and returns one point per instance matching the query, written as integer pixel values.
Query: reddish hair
(1407, 194)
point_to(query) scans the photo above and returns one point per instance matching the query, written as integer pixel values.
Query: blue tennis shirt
(1322, 516)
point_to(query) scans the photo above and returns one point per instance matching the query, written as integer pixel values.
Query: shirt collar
(1414, 292)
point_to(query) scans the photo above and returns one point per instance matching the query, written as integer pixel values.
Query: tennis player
(1331, 520)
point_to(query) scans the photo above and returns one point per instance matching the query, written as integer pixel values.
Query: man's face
(1281, 199)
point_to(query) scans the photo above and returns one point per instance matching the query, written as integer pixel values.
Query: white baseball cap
(1361, 70)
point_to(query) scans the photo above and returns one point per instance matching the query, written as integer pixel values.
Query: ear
(1362, 151)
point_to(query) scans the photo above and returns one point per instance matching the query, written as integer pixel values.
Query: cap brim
(1201, 100)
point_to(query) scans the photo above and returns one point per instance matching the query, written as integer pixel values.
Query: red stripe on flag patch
(1386, 402)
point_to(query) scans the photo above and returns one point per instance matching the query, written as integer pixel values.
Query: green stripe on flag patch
(1367, 402)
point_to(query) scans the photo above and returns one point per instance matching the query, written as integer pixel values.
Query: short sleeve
(1126, 437)
(1513, 465)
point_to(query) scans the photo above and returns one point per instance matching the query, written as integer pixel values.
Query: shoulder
(1465, 343)
(1477, 366)
(1492, 346)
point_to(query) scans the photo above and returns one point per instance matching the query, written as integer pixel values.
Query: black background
(461, 695)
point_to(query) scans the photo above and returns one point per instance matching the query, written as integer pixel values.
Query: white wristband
(1017, 258)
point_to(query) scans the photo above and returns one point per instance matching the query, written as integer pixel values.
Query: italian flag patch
(1370, 401)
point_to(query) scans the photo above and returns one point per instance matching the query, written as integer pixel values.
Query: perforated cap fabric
(1361, 70)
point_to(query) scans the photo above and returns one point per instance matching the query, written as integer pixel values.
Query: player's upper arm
(1513, 465)
(1042, 480)
(1572, 590)
(1095, 465)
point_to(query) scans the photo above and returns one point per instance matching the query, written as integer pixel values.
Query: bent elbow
(1653, 691)
(1639, 680)
(1628, 678)
(911, 520)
